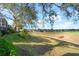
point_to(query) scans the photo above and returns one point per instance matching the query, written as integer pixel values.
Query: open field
(64, 36)
(49, 44)
(59, 43)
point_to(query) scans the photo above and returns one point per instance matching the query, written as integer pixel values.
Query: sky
(60, 23)
(8, 17)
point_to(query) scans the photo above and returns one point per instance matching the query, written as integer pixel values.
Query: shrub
(6, 48)
(10, 30)
(23, 33)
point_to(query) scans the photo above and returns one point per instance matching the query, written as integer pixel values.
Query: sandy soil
(64, 36)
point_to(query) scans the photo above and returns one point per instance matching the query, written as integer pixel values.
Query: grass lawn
(16, 38)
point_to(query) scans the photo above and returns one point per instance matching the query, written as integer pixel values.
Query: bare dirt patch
(64, 36)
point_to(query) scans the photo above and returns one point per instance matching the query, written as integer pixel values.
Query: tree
(48, 11)
(22, 13)
(26, 14)
(75, 7)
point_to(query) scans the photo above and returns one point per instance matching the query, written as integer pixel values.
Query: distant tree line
(54, 30)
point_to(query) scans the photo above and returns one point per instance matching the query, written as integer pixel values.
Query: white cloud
(63, 25)
(39, 24)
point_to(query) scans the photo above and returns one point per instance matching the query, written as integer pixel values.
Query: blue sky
(60, 23)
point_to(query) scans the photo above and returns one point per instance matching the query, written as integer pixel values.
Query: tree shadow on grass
(39, 50)
(38, 39)
(33, 50)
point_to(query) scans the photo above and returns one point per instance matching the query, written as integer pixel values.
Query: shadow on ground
(33, 50)
(71, 54)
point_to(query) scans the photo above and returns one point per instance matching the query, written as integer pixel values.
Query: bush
(23, 33)
(6, 48)
(11, 30)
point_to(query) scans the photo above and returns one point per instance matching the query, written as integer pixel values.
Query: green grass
(13, 37)
(17, 38)
(33, 50)
(7, 48)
